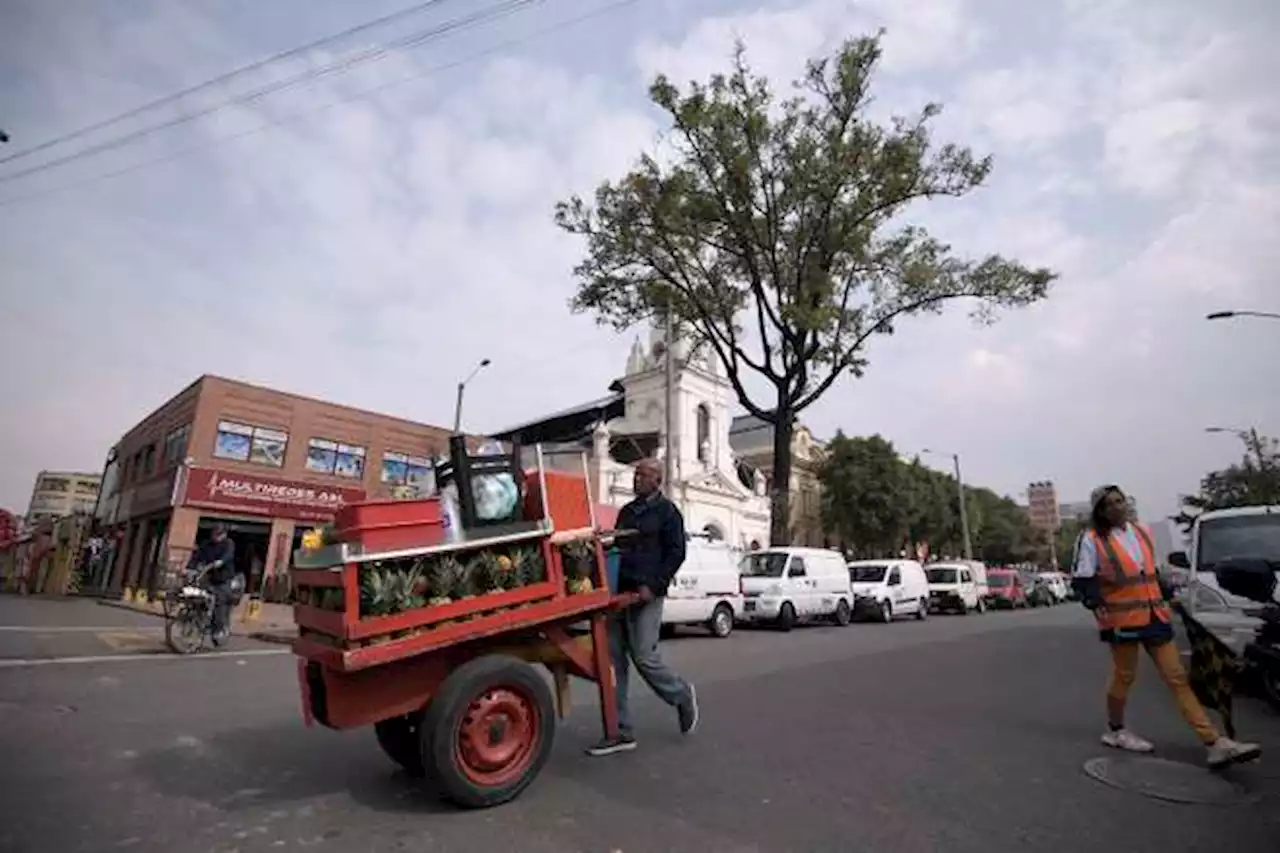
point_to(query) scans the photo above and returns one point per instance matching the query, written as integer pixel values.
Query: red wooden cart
(453, 690)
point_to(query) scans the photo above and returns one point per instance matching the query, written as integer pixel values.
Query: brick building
(268, 464)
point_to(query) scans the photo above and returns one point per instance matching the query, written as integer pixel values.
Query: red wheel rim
(497, 737)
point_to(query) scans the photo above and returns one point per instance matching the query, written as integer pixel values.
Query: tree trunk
(780, 504)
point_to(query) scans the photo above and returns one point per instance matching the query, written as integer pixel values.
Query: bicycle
(188, 625)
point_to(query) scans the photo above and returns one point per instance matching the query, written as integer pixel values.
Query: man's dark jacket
(652, 557)
(223, 552)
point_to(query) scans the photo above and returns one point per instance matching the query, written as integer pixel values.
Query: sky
(367, 237)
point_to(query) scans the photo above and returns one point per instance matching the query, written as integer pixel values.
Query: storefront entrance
(251, 538)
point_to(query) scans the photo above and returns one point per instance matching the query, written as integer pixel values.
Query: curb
(268, 637)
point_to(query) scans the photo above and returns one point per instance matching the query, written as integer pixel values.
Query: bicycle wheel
(184, 631)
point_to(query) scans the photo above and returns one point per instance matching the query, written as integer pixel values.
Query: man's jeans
(633, 638)
(222, 596)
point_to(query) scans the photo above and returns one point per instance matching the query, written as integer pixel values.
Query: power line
(222, 78)
(498, 10)
(271, 123)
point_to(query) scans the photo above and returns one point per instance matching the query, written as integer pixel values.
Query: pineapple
(486, 572)
(528, 566)
(377, 591)
(579, 560)
(461, 584)
(407, 594)
(439, 578)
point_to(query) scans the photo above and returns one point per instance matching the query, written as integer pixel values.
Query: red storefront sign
(251, 494)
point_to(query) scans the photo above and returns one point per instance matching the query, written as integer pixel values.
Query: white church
(718, 495)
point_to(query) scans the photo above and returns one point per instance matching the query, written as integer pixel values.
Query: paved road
(957, 734)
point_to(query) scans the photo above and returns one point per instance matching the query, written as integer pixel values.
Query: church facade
(719, 495)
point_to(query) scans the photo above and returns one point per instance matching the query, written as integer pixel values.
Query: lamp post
(1226, 315)
(964, 511)
(462, 386)
(1250, 437)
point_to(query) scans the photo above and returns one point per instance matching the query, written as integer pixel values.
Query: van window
(895, 577)
(940, 575)
(763, 564)
(966, 577)
(867, 574)
(797, 568)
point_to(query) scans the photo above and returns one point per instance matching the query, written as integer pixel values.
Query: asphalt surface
(956, 734)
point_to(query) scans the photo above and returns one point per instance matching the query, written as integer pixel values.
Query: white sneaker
(1225, 751)
(1127, 740)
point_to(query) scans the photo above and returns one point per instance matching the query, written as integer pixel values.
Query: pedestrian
(217, 555)
(649, 559)
(1115, 575)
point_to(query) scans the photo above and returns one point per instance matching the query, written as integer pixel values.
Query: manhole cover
(1172, 781)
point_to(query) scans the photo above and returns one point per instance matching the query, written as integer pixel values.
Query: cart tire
(488, 731)
(400, 739)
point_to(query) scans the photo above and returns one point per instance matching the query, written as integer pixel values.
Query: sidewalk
(273, 624)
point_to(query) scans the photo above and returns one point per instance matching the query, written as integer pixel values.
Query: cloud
(372, 251)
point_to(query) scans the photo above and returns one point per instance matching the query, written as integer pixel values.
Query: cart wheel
(399, 739)
(488, 731)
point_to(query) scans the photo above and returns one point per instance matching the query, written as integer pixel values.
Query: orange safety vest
(1131, 594)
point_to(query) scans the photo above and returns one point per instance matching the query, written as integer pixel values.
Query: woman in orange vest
(1115, 575)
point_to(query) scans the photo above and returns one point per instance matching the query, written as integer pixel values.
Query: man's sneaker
(1225, 751)
(610, 745)
(1126, 740)
(688, 712)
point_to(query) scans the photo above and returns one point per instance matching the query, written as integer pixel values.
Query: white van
(954, 587)
(1056, 582)
(784, 586)
(889, 589)
(706, 591)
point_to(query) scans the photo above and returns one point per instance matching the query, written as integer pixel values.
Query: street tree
(773, 230)
(863, 494)
(1253, 481)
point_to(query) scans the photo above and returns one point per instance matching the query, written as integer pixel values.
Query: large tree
(773, 229)
(1253, 481)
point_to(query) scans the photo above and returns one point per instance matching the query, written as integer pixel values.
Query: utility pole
(669, 406)
(964, 510)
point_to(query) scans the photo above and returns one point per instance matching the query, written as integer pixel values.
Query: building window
(148, 459)
(244, 443)
(704, 433)
(175, 445)
(331, 457)
(400, 469)
(55, 484)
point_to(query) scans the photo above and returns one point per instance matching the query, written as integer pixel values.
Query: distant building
(1042, 506)
(57, 494)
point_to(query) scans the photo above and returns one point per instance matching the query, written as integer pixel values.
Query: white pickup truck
(1216, 536)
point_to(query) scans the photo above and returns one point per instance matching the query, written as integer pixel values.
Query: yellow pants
(1124, 668)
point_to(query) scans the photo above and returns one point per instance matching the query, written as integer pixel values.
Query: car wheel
(786, 616)
(886, 612)
(922, 610)
(721, 622)
(981, 606)
(843, 614)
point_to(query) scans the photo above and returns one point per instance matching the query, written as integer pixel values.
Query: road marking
(22, 663)
(77, 629)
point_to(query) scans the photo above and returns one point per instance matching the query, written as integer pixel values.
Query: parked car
(889, 589)
(1057, 584)
(786, 586)
(1007, 590)
(1040, 593)
(707, 591)
(954, 587)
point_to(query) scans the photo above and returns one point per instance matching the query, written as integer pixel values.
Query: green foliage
(775, 232)
(879, 505)
(1253, 481)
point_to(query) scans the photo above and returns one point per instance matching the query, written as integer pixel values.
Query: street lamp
(1249, 436)
(964, 511)
(457, 409)
(1225, 315)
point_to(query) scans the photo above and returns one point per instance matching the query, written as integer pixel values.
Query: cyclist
(217, 555)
